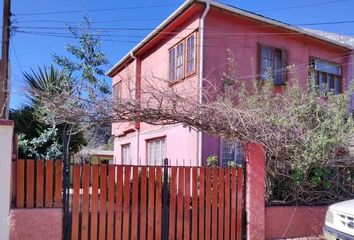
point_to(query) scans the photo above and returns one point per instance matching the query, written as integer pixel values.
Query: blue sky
(28, 51)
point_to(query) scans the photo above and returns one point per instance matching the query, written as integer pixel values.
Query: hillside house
(191, 46)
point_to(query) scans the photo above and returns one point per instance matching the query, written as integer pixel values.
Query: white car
(339, 223)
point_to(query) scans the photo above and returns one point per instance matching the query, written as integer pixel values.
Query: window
(182, 59)
(117, 91)
(231, 152)
(126, 159)
(190, 55)
(327, 76)
(272, 64)
(172, 63)
(156, 151)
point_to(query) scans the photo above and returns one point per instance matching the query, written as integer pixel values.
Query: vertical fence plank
(158, 206)
(151, 204)
(173, 192)
(194, 203)
(180, 203)
(13, 182)
(94, 202)
(135, 203)
(233, 203)
(201, 204)
(30, 184)
(58, 184)
(39, 183)
(207, 203)
(221, 205)
(103, 201)
(119, 206)
(227, 205)
(126, 208)
(49, 183)
(20, 188)
(214, 214)
(143, 202)
(75, 203)
(187, 197)
(110, 218)
(239, 204)
(85, 201)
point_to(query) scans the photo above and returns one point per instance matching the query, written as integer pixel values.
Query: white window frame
(158, 145)
(191, 51)
(127, 154)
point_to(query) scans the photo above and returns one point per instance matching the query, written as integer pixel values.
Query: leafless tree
(299, 129)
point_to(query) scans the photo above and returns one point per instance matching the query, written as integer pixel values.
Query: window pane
(179, 66)
(277, 68)
(330, 83)
(337, 85)
(227, 152)
(190, 54)
(172, 64)
(126, 159)
(327, 67)
(117, 91)
(156, 151)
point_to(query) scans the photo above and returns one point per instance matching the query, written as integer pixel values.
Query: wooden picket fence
(156, 202)
(37, 183)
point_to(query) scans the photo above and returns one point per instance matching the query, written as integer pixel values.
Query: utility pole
(4, 80)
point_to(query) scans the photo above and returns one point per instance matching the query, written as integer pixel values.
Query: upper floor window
(156, 151)
(172, 63)
(126, 158)
(231, 152)
(272, 64)
(190, 55)
(328, 76)
(117, 91)
(182, 59)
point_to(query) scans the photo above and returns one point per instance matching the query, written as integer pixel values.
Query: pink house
(191, 46)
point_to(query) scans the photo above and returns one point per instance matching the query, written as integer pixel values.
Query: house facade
(189, 50)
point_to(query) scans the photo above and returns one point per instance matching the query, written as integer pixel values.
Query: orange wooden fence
(131, 202)
(37, 183)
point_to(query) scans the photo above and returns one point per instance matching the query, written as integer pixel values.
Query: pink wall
(289, 222)
(181, 144)
(39, 224)
(255, 185)
(224, 30)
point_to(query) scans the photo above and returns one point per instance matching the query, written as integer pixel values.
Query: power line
(16, 56)
(211, 27)
(95, 10)
(93, 22)
(303, 6)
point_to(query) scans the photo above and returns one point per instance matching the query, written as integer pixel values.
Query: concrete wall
(6, 133)
(290, 222)
(38, 224)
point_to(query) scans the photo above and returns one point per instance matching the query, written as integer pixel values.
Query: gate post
(6, 134)
(255, 190)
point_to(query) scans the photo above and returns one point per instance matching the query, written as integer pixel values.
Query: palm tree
(49, 80)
